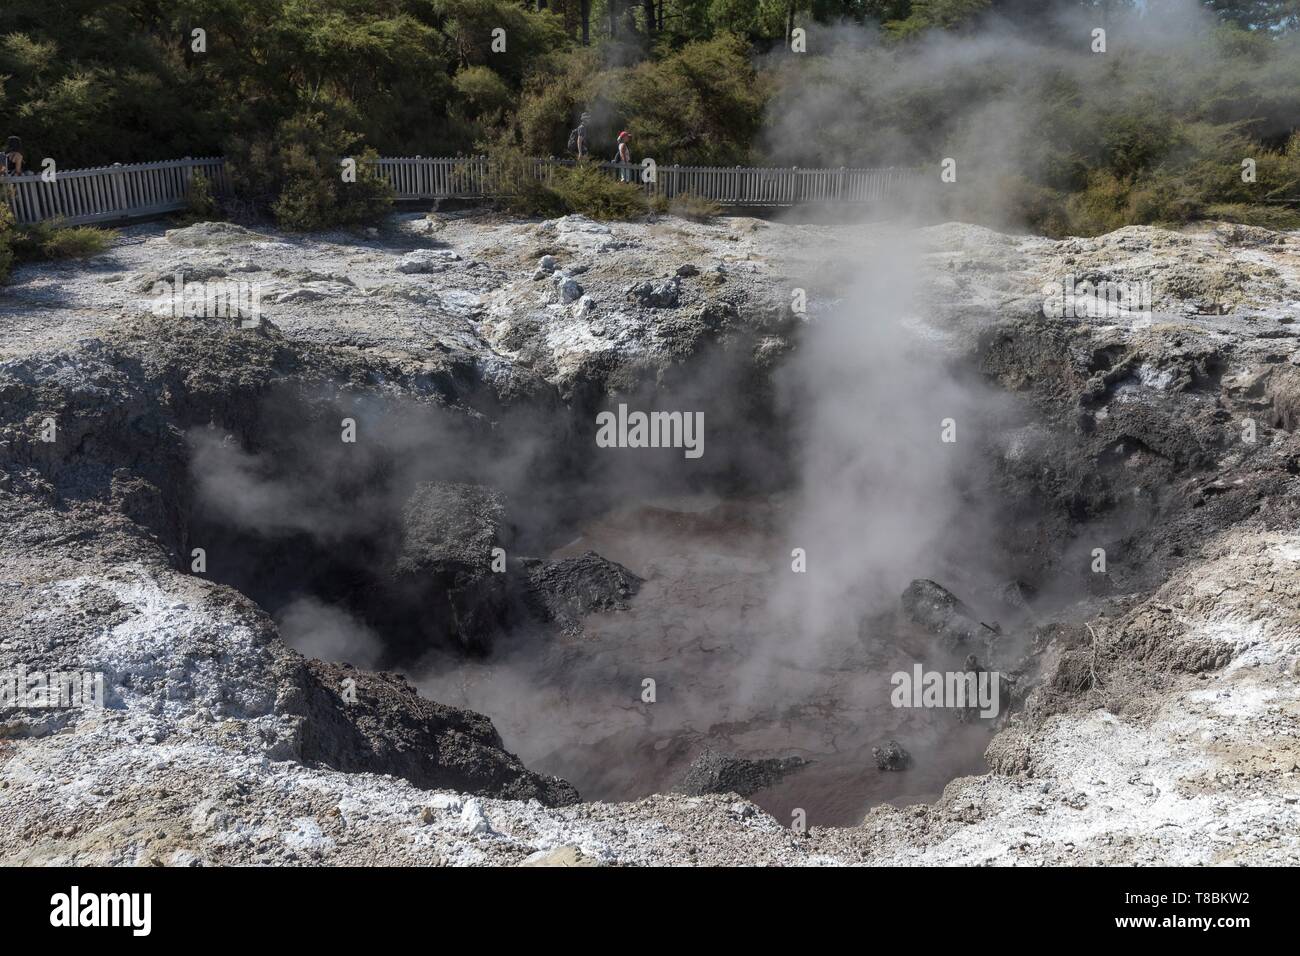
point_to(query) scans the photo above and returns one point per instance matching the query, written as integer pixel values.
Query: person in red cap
(624, 155)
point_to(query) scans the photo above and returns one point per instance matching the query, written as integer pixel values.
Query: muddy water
(725, 676)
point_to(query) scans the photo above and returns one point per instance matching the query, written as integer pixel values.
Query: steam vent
(495, 433)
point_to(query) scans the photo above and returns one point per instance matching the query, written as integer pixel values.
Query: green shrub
(1028, 205)
(1101, 206)
(926, 15)
(1279, 218)
(44, 241)
(593, 192)
(559, 89)
(1200, 178)
(1164, 200)
(6, 241)
(700, 105)
(200, 205)
(514, 185)
(1004, 201)
(486, 96)
(314, 196)
(1279, 171)
(296, 176)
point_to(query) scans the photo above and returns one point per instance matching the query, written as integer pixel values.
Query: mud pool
(726, 676)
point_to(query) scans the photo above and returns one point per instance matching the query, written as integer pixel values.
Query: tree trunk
(789, 22)
(585, 7)
(613, 18)
(649, 7)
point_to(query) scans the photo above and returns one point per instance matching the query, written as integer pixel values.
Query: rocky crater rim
(174, 436)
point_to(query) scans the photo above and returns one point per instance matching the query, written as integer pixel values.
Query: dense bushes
(583, 188)
(298, 175)
(586, 189)
(1200, 178)
(201, 204)
(700, 105)
(124, 82)
(6, 241)
(1050, 136)
(1047, 134)
(517, 186)
(589, 190)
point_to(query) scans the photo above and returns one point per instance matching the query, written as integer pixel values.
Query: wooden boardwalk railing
(419, 177)
(118, 193)
(109, 193)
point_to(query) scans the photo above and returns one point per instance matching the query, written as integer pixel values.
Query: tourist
(13, 157)
(624, 156)
(578, 138)
(584, 146)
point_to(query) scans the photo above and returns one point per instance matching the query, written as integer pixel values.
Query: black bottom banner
(336, 905)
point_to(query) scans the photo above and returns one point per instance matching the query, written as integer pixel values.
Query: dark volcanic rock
(936, 609)
(567, 590)
(892, 756)
(381, 724)
(661, 294)
(443, 568)
(449, 525)
(712, 772)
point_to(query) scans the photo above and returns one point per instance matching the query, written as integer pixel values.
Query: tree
(1272, 15)
(937, 14)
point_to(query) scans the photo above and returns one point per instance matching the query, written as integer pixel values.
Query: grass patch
(44, 241)
(1278, 218)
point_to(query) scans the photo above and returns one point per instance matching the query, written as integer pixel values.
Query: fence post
(187, 179)
(119, 194)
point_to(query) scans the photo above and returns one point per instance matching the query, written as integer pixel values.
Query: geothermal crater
(363, 585)
(589, 599)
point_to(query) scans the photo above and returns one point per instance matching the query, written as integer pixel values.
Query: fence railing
(109, 193)
(123, 192)
(420, 177)
(771, 186)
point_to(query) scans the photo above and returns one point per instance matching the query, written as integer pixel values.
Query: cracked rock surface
(1158, 723)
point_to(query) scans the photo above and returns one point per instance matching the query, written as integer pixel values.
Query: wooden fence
(118, 193)
(418, 177)
(109, 193)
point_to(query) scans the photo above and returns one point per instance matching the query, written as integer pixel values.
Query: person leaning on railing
(13, 157)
